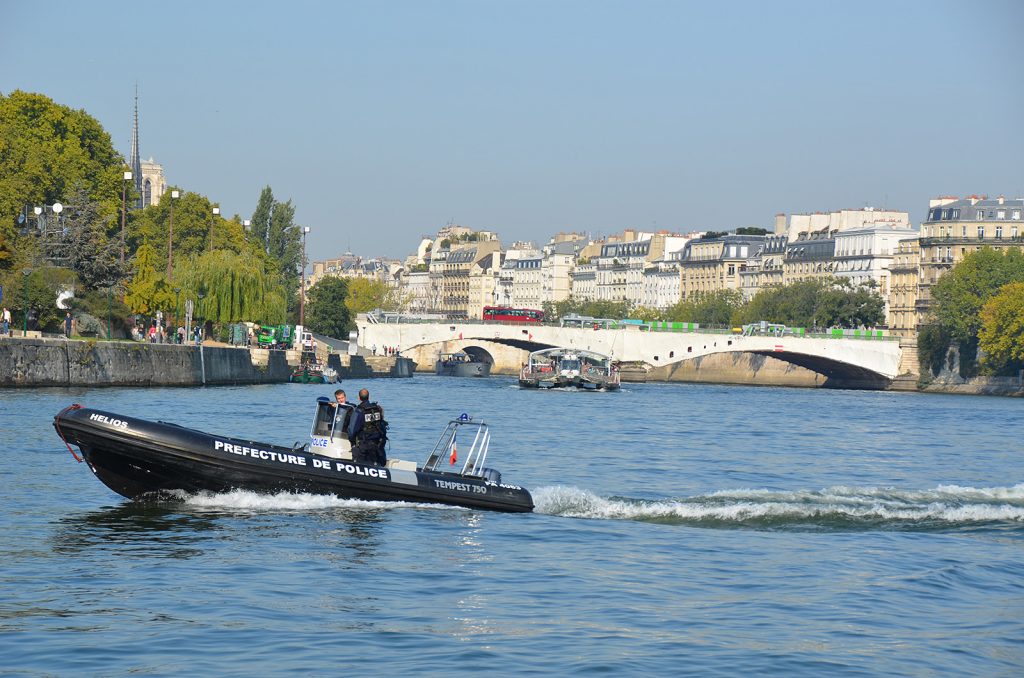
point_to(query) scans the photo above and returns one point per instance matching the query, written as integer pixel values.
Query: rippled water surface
(679, 530)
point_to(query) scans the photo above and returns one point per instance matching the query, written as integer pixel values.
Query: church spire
(136, 161)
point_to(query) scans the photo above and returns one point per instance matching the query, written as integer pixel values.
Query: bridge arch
(479, 354)
(837, 374)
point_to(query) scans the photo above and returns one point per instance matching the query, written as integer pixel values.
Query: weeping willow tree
(234, 287)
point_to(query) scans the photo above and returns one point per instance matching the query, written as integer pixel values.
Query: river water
(680, 529)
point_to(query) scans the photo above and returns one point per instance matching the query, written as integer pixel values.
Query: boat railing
(448, 443)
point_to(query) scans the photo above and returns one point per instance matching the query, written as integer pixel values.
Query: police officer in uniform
(345, 413)
(369, 432)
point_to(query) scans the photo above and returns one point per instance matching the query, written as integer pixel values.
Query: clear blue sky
(382, 121)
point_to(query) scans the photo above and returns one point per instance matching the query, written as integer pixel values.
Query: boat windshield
(570, 364)
(323, 420)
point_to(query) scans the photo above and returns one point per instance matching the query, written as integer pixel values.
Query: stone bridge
(655, 356)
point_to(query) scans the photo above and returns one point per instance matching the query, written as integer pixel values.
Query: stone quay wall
(60, 362)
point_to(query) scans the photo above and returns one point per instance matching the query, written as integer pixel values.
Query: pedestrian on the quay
(198, 335)
(5, 322)
(68, 324)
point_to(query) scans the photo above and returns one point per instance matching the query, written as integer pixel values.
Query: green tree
(554, 310)
(148, 291)
(273, 229)
(260, 226)
(326, 312)
(196, 229)
(1001, 337)
(615, 310)
(712, 308)
(933, 347)
(365, 294)
(285, 240)
(645, 313)
(961, 292)
(92, 253)
(47, 153)
(234, 289)
(817, 302)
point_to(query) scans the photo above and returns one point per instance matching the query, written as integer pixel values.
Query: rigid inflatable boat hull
(136, 457)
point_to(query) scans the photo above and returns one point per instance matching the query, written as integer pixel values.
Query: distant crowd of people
(156, 334)
(386, 350)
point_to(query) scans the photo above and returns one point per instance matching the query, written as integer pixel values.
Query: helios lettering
(104, 419)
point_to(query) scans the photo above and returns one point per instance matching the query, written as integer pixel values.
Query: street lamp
(24, 329)
(170, 240)
(302, 290)
(209, 236)
(124, 193)
(177, 306)
(201, 294)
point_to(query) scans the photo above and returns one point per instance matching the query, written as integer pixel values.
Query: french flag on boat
(454, 453)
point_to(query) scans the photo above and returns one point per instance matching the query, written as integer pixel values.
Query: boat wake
(837, 508)
(243, 500)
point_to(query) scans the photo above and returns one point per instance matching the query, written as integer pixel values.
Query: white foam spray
(834, 507)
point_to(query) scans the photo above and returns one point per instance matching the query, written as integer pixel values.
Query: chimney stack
(780, 223)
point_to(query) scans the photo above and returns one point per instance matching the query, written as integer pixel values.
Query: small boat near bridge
(569, 368)
(461, 364)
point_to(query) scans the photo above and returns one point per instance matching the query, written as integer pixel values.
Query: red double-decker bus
(513, 315)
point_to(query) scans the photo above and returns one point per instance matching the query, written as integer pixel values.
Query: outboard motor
(491, 475)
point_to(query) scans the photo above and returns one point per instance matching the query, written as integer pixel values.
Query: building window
(999, 232)
(979, 215)
(1015, 214)
(964, 231)
(981, 232)
(1013, 232)
(1001, 214)
(956, 214)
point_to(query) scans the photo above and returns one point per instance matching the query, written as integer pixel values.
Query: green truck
(275, 336)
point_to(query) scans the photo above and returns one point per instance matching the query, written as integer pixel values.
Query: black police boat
(135, 458)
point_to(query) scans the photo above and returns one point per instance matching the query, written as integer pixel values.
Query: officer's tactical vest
(373, 415)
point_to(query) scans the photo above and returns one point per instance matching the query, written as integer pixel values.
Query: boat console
(326, 436)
